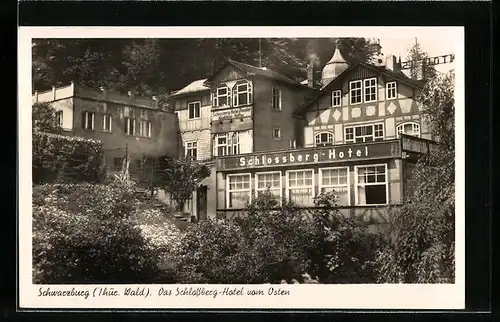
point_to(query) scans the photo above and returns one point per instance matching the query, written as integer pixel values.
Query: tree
(146, 66)
(423, 250)
(419, 68)
(44, 118)
(180, 178)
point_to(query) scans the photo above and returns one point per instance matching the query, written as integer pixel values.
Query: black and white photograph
(229, 167)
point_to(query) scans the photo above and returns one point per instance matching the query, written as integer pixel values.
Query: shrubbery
(66, 159)
(87, 233)
(271, 243)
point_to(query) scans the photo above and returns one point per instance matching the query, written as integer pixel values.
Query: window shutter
(125, 128)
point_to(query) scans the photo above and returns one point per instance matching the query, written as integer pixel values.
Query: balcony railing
(194, 124)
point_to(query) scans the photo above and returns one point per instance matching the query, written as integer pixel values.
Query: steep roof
(193, 87)
(379, 69)
(255, 71)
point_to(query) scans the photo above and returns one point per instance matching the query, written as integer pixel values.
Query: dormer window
(221, 96)
(323, 139)
(242, 93)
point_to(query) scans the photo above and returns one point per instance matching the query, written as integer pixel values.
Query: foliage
(44, 119)
(423, 249)
(140, 65)
(64, 158)
(87, 233)
(270, 243)
(438, 99)
(180, 178)
(419, 69)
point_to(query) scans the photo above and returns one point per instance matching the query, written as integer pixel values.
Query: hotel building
(356, 130)
(360, 135)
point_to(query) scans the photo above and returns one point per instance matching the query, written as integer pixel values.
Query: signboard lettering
(332, 154)
(294, 157)
(444, 59)
(232, 113)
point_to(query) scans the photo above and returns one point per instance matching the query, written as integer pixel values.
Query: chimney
(156, 101)
(36, 97)
(391, 63)
(53, 93)
(311, 76)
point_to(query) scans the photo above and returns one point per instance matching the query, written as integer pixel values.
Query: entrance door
(201, 203)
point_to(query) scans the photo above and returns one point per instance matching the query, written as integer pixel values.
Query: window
(88, 120)
(227, 143)
(371, 185)
(191, 151)
(221, 96)
(370, 90)
(59, 118)
(106, 123)
(276, 99)
(409, 128)
(242, 93)
(364, 133)
(276, 133)
(145, 128)
(300, 188)
(129, 126)
(323, 139)
(268, 181)
(355, 92)
(238, 190)
(336, 98)
(336, 180)
(194, 110)
(390, 90)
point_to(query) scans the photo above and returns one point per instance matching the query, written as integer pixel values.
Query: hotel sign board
(431, 61)
(321, 155)
(231, 113)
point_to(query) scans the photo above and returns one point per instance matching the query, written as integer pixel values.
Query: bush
(271, 243)
(84, 233)
(58, 158)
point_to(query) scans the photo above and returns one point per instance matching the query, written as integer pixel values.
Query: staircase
(180, 219)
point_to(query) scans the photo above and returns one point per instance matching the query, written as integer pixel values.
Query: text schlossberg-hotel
(295, 157)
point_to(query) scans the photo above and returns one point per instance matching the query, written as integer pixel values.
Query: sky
(435, 46)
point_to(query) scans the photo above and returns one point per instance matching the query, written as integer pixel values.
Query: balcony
(194, 124)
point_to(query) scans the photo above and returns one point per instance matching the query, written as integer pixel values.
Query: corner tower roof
(334, 67)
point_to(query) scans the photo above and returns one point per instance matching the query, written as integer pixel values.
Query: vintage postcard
(241, 168)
